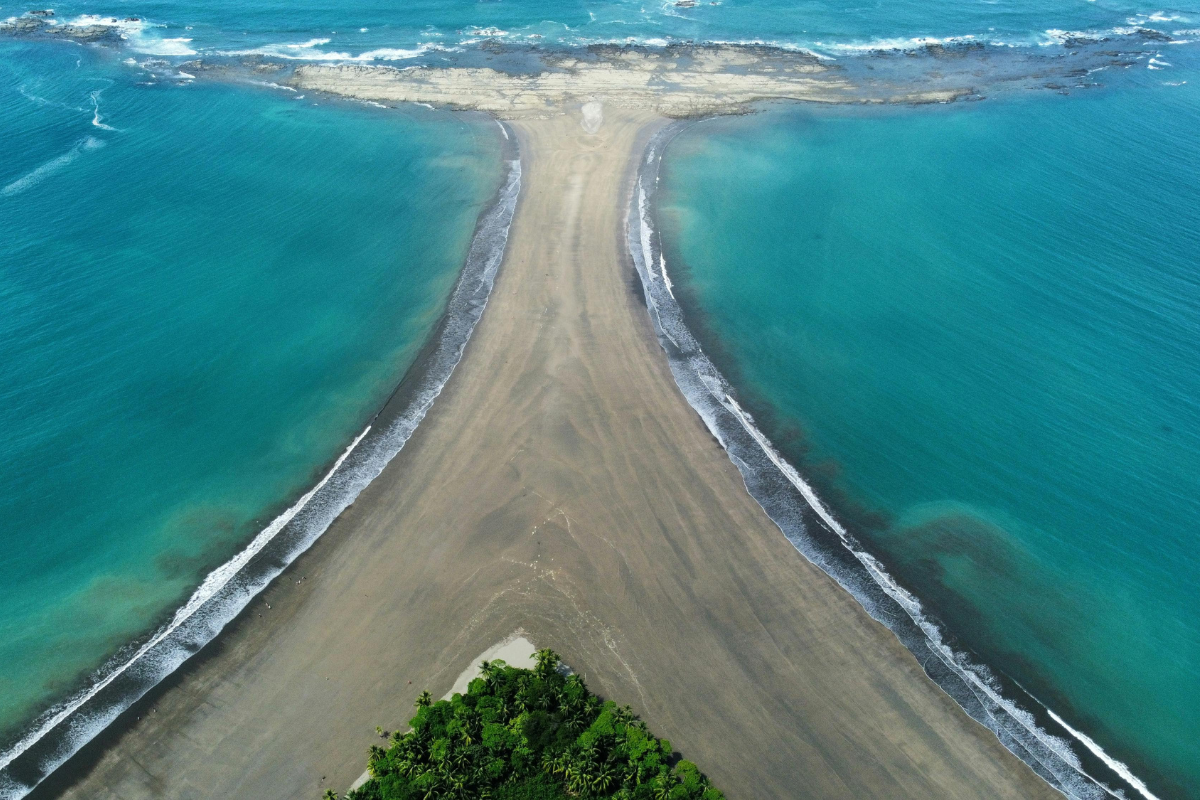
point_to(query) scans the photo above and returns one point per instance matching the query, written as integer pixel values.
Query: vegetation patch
(520, 734)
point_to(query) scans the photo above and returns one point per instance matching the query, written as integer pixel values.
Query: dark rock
(1152, 35)
(88, 33)
(1072, 42)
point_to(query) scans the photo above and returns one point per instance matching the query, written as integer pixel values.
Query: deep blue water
(984, 323)
(981, 317)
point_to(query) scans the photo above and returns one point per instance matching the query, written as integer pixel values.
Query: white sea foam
(97, 120)
(1118, 767)
(901, 43)
(273, 85)
(126, 27)
(36, 176)
(136, 33)
(308, 51)
(164, 47)
(1055, 36)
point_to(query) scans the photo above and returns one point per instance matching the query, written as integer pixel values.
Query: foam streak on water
(814, 531)
(39, 174)
(64, 729)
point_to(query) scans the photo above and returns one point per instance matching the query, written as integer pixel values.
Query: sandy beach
(561, 485)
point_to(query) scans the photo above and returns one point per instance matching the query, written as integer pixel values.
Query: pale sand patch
(515, 650)
(562, 485)
(681, 82)
(593, 116)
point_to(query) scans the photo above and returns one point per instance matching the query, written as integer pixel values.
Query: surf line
(813, 530)
(62, 730)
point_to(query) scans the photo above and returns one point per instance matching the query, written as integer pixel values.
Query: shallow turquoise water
(985, 321)
(201, 303)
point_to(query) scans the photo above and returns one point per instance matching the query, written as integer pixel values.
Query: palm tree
(521, 701)
(602, 778)
(547, 662)
(577, 779)
(456, 786)
(558, 765)
(424, 700)
(375, 758)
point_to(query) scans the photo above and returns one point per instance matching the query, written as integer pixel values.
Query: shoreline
(782, 434)
(1029, 729)
(223, 596)
(573, 408)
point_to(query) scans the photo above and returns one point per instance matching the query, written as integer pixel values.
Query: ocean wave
(36, 176)
(273, 85)
(164, 47)
(307, 51)
(62, 730)
(903, 43)
(813, 529)
(129, 26)
(135, 32)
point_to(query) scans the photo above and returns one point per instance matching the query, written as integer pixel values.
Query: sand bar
(562, 486)
(679, 81)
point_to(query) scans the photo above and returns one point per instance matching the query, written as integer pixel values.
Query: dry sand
(680, 81)
(562, 485)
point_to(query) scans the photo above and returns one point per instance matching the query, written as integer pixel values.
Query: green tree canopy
(520, 734)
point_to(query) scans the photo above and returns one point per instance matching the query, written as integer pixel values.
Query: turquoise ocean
(977, 329)
(973, 328)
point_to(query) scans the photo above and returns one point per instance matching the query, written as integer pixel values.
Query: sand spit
(561, 485)
(670, 82)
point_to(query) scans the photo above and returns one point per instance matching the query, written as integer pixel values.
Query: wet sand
(563, 486)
